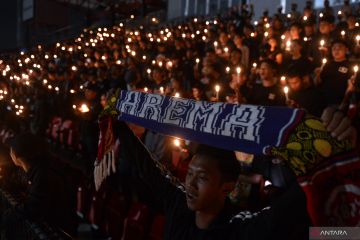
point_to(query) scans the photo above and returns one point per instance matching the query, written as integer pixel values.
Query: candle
(305, 18)
(322, 43)
(162, 90)
(286, 91)
(238, 71)
(73, 68)
(227, 69)
(177, 95)
(357, 40)
(254, 65)
(324, 61)
(84, 108)
(215, 44)
(356, 69)
(146, 89)
(177, 142)
(283, 80)
(339, 12)
(288, 45)
(226, 49)
(321, 15)
(342, 33)
(305, 39)
(217, 90)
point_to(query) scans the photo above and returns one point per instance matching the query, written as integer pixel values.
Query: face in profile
(204, 187)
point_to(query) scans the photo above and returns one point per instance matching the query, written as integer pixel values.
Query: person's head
(267, 70)
(235, 56)
(338, 50)
(295, 79)
(326, 24)
(157, 75)
(295, 31)
(223, 38)
(296, 47)
(211, 176)
(26, 150)
(91, 91)
(238, 79)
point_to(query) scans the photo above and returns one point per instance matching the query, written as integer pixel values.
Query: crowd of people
(305, 59)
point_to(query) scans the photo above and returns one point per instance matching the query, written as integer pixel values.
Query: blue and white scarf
(248, 128)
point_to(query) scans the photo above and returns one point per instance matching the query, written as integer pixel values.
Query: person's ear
(228, 187)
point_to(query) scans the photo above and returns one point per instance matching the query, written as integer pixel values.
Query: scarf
(285, 133)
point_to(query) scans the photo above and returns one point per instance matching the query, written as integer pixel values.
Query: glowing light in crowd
(286, 91)
(177, 95)
(74, 68)
(177, 142)
(356, 69)
(283, 80)
(288, 45)
(227, 69)
(162, 90)
(84, 108)
(146, 89)
(217, 90)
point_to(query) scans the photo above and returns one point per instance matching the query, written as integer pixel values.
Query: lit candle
(238, 71)
(324, 61)
(84, 108)
(305, 18)
(215, 44)
(283, 80)
(177, 95)
(254, 65)
(322, 43)
(162, 90)
(356, 69)
(146, 89)
(339, 12)
(321, 15)
(342, 33)
(227, 69)
(177, 142)
(73, 68)
(286, 91)
(226, 49)
(217, 90)
(288, 45)
(357, 40)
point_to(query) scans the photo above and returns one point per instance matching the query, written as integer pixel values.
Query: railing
(33, 230)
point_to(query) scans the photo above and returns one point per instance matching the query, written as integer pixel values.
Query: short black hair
(226, 161)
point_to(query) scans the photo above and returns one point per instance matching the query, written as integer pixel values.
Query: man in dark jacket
(200, 209)
(50, 197)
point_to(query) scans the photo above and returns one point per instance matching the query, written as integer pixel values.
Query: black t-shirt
(266, 96)
(310, 99)
(303, 64)
(334, 81)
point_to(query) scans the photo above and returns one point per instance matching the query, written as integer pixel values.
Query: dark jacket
(279, 221)
(50, 197)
